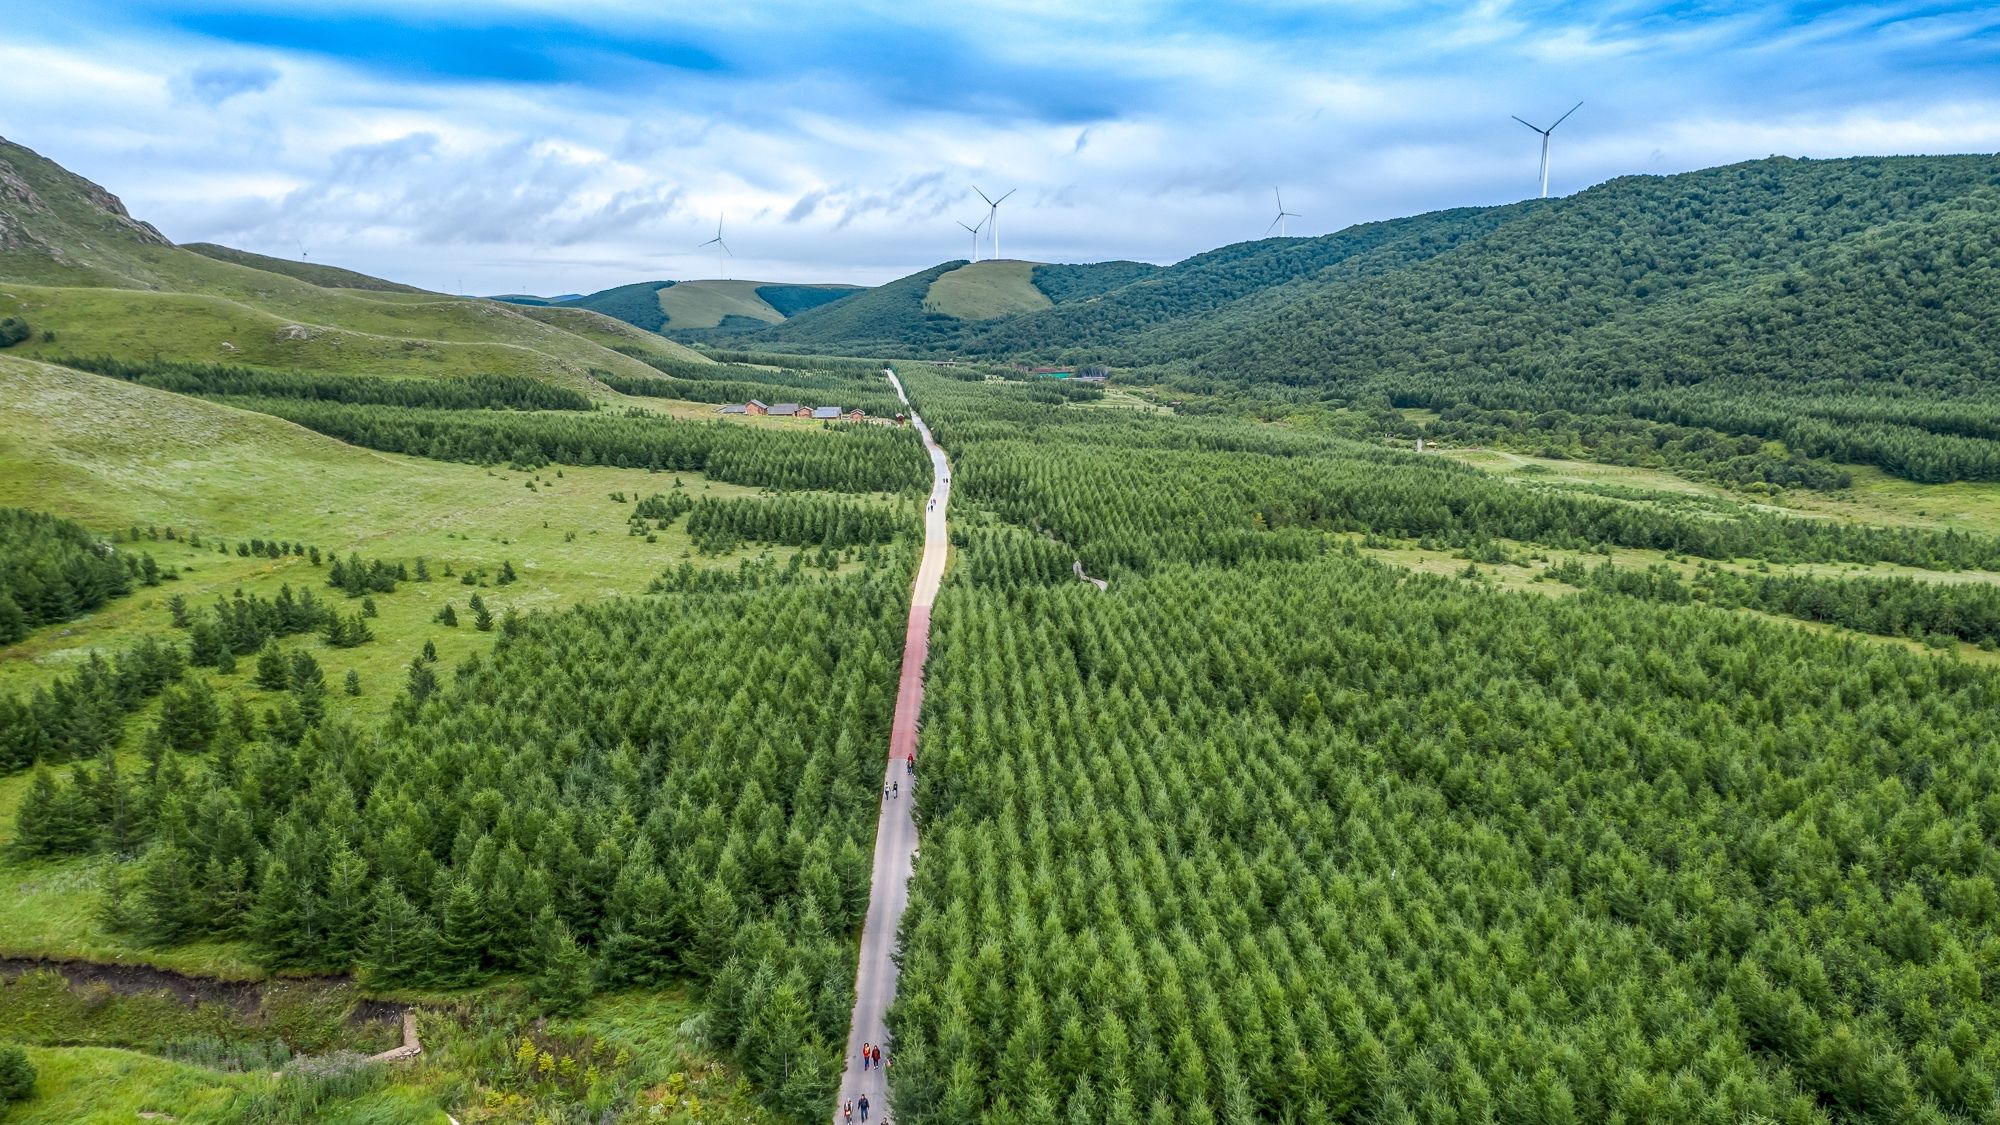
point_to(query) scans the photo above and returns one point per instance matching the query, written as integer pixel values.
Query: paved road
(896, 830)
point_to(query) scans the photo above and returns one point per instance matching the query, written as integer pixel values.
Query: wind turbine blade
(1565, 117)
(982, 195)
(1281, 200)
(1536, 128)
(1003, 199)
(1272, 227)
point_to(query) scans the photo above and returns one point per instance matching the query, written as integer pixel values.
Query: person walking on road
(864, 1056)
(847, 1111)
(864, 1107)
(878, 1056)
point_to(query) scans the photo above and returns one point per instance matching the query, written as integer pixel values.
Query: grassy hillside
(706, 304)
(986, 291)
(325, 276)
(81, 271)
(619, 336)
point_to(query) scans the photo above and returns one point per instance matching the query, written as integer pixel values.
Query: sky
(549, 146)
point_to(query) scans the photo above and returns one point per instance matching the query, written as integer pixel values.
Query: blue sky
(553, 146)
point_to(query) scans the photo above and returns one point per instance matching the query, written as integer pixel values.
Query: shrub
(17, 1074)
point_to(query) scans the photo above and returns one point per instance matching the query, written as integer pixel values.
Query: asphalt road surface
(896, 828)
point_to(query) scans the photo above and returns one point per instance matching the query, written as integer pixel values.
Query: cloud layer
(519, 145)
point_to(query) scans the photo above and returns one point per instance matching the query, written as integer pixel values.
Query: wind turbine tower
(1278, 223)
(1545, 142)
(721, 264)
(993, 217)
(975, 237)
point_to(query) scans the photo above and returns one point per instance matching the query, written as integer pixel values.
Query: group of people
(871, 1059)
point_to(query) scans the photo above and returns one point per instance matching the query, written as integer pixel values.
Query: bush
(13, 330)
(17, 1074)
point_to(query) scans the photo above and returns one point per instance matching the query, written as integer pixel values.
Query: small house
(803, 412)
(736, 408)
(901, 418)
(784, 409)
(855, 415)
(755, 407)
(827, 414)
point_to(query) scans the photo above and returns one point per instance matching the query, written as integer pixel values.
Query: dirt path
(896, 827)
(1100, 583)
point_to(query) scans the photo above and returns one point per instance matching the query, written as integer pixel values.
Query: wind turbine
(1545, 142)
(302, 251)
(975, 236)
(993, 217)
(1279, 222)
(721, 266)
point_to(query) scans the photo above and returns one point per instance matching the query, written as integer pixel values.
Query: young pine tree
(54, 818)
(482, 618)
(274, 672)
(562, 972)
(448, 616)
(353, 682)
(401, 941)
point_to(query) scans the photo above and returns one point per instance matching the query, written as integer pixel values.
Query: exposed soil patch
(246, 998)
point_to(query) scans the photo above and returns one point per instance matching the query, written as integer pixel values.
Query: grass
(986, 291)
(703, 304)
(310, 1017)
(612, 333)
(107, 1086)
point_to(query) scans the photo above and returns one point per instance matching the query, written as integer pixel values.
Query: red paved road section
(895, 827)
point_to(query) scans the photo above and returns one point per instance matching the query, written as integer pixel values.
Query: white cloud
(827, 173)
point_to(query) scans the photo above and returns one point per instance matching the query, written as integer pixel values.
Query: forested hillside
(1829, 305)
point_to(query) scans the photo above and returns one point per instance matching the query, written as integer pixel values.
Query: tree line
(217, 380)
(844, 458)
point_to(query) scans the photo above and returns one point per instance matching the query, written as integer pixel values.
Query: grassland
(107, 1086)
(986, 291)
(704, 304)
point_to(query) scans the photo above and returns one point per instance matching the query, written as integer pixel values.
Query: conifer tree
(401, 941)
(169, 909)
(562, 974)
(274, 672)
(463, 935)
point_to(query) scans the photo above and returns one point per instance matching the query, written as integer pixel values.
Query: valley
(1529, 663)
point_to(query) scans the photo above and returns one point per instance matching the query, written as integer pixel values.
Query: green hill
(1832, 306)
(889, 317)
(986, 291)
(90, 280)
(637, 304)
(324, 276)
